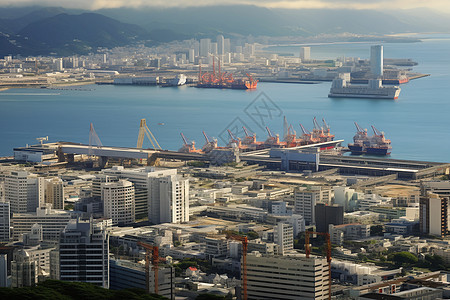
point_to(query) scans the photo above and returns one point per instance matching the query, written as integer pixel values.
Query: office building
(191, 56)
(205, 45)
(220, 45)
(216, 247)
(52, 222)
(54, 193)
(434, 215)
(328, 214)
(339, 233)
(287, 277)
(160, 194)
(24, 192)
(283, 236)
(23, 270)
(5, 226)
(298, 223)
(213, 49)
(84, 253)
(376, 61)
(118, 202)
(305, 53)
(343, 196)
(307, 198)
(227, 46)
(125, 274)
(4, 278)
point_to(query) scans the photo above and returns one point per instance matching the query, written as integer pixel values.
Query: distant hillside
(63, 32)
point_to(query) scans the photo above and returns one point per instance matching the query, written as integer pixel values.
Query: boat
(376, 144)
(177, 80)
(224, 80)
(341, 88)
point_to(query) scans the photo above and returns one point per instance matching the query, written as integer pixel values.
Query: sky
(439, 5)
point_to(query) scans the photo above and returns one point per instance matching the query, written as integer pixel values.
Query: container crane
(244, 241)
(151, 254)
(308, 253)
(234, 139)
(188, 147)
(145, 131)
(211, 143)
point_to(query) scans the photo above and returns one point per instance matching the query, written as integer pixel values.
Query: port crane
(308, 253)
(233, 139)
(188, 147)
(211, 143)
(151, 254)
(145, 131)
(244, 241)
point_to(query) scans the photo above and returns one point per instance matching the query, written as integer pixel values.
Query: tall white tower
(376, 61)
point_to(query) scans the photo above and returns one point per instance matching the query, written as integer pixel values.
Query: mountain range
(61, 31)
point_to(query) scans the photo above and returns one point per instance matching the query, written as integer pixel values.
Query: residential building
(118, 202)
(23, 270)
(307, 198)
(54, 192)
(434, 215)
(216, 247)
(283, 236)
(339, 233)
(84, 253)
(328, 214)
(287, 277)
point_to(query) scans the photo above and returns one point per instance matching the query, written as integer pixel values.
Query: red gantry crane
(244, 241)
(308, 253)
(151, 254)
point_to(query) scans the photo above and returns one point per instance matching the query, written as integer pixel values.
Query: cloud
(441, 5)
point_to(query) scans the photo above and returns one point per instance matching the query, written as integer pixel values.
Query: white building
(339, 233)
(220, 45)
(54, 192)
(205, 45)
(306, 200)
(283, 236)
(305, 53)
(84, 253)
(287, 277)
(342, 196)
(24, 192)
(5, 226)
(118, 201)
(298, 223)
(376, 61)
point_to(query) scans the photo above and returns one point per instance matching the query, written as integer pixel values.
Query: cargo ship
(340, 88)
(376, 144)
(224, 80)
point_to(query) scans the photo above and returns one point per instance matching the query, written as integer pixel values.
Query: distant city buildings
(376, 61)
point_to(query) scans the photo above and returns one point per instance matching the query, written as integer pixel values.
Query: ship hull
(226, 86)
(333, 95)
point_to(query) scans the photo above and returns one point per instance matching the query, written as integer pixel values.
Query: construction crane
(244, 241)
(308, 253)
(151, 254)
(144, 131)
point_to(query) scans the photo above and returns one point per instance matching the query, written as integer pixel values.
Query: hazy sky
(440, 5)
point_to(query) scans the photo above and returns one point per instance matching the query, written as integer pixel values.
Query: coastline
(4, 89)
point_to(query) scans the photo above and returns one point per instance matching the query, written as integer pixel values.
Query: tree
(403, 258)
(376, 230)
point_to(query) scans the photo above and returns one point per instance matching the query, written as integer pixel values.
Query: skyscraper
(204, 47)
(220, 45)
(376, 61)
(434, 215)
(283, 236)
(305, 53)
(328, 214)
(24, 192)
(118, 201)
(84, 253)
(5, 225)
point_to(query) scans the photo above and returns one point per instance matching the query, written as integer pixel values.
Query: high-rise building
(376, 61)
(84, 253)
(213, 48)
(5, 226)
(205, 45)
(434, 215)
(342, 196)
(283, 236)
(287, 277)
(126, 274)
(118, 202)
(23, 270)
(4, 278)
(220, 45)
(328, 214)
(227, 46)
(191, 56)
(307, 198)
(305, 53)
(24, 192)
(54, 192)
(160, 194)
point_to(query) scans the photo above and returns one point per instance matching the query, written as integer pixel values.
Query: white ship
(178, 80)
(340, 88)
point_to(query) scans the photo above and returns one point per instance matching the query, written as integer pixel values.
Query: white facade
(91, 265)
(24, 192)
(306, 200)
(286, 277)
(342, 196)
(220, 45)
(283, 236)
(118, 201)
(376, 61)
(305, 53)
(205, 45)
(298, 223)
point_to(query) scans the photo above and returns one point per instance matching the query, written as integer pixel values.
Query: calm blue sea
(418, 123)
